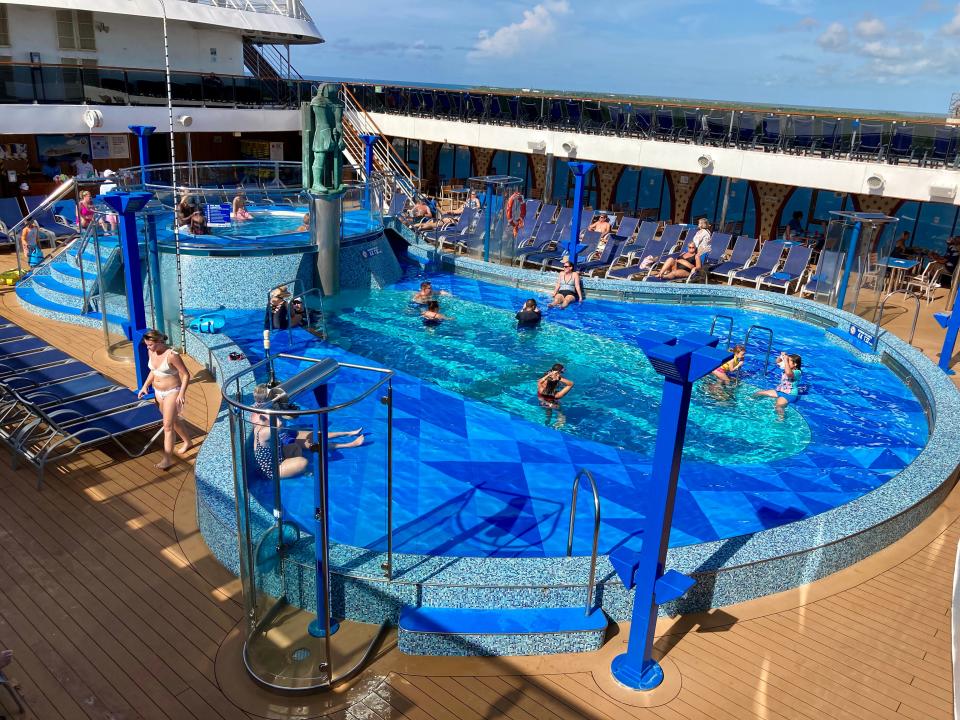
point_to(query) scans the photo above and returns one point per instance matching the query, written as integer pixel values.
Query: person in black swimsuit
(529, 315)
(547, 386)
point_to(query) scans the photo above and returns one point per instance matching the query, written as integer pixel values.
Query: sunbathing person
(601, 225)
(676, 268)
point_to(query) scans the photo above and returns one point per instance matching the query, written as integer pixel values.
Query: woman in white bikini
(169, 378)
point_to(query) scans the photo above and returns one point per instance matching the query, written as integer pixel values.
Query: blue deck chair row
(53, 406)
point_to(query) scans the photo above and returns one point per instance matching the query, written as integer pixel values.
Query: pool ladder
(882, 307)
(314, 319)
(596, 530)
(746, 340)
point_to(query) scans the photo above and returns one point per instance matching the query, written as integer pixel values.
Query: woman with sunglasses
(568, 287)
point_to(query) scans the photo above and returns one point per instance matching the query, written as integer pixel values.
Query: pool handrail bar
(583, 472)
(729, 319)
(746, 343)
(882, 307)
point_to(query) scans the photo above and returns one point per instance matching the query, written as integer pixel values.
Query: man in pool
(426, 294)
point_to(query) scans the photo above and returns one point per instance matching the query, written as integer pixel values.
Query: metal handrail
(916, 314)
(746, 343)
(729, 320)
(59, 192)
(596, 530)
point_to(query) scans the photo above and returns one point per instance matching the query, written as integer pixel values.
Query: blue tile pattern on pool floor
(490, 479)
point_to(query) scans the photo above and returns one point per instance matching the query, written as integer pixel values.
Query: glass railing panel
(105, 86)
(147, 87)
(249, 92)
(186, 88)
(18, 83)
(61, 85)
(217, 90)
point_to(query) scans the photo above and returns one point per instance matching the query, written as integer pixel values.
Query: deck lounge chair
(771, 133)
(68, 428)
(870, 141)
(645, 233)
(531, 229)
(766, 263)
(451, 232)
(627, 227)
(802, 137)
(664, 126)
(46, 220)
(742, 252)
(610, 252)
(21, 346)
(560, 250)
(716, 131)
(12, 332)
(31, 361)
(530, 222)
(793, 269)
(586, 246)
(944, 148)
(549, 233)
(10, 215)
(43, 374)
(901, 145)
(825, 275)
(657, 248)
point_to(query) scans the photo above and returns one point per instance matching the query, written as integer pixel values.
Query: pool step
(519, 631)
(66, 311)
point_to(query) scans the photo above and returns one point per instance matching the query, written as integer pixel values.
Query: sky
(877, 54)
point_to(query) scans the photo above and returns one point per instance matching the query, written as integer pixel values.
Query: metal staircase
(386, 161)
(267, 63)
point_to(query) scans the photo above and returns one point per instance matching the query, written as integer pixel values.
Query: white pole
(173, 181)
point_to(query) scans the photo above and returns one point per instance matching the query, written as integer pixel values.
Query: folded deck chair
(825, 275)
(59, 433)
(793, 269)
(766, 263)
(742, 252)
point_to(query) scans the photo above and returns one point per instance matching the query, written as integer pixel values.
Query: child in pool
(724, 372)
(788, 389)
(432, 315)
(529, 315)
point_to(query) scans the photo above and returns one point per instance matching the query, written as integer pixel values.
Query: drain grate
(300, 654)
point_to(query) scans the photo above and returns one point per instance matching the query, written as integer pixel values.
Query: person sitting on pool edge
(789, 388)
(529, 315)
(292, 444)
(568, 287)
(425, 294)
(432, 315)
(723, 372)
(278, 314)
(547, 392)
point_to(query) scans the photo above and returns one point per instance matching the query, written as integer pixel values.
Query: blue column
(143, 132)
(681, 361)
(848, 263)
(579, 169)
(951, 321)
(369, 141)
(126, 205)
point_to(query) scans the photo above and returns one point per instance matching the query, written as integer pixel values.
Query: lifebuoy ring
(516, 211)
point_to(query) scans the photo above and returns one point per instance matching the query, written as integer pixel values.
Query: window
(625, 197)
(4, 27)
(75, 30)
(934, 226)
(704, 203)
(653, 198)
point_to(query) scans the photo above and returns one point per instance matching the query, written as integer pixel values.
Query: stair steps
(499, 631)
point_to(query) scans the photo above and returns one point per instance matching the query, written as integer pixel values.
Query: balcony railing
(290, 8)
(885, 139)
(72, 85)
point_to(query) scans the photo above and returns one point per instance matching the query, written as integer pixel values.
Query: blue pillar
(681, 361)
(369, 140)
(950, 321)
(848, 263)
(143, 132)
(126, 205)
(579, 169)
(153, 265)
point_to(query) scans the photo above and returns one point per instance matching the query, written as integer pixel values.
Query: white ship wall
(126, 41)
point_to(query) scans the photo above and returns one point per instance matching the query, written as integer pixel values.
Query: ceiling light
(704, 161)
(569, 147)
(875, 181)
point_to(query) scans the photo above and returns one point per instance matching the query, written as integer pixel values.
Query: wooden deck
(115, 609)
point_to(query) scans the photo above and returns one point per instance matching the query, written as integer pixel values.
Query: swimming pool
(480, 470)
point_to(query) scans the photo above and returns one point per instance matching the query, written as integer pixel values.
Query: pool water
(480, 468)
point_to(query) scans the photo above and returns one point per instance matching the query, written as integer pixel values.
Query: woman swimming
(549, 388)
(432, 315)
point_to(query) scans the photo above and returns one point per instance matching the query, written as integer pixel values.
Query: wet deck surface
(115, 609)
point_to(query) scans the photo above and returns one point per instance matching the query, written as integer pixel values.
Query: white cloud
(835, 37)
(883, 50)
(797, 6)
(953, 27)
(870, 27)
(538, 23)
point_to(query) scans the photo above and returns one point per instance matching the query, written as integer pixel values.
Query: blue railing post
(579, 169)
(681, 361)
(369, 140)
(848, 263)
(143, 132)
(127, 205)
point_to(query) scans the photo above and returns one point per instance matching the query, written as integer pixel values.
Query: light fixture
(237, 133)
(704, 161)
(875, 181)
(569, 147)
(185, 120)
(92, 118)
(537, 146)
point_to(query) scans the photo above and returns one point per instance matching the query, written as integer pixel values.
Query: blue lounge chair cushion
(63, 391)
(80, 410)
(45, 376)
(116, 424)
(18, 363)
(13, 347)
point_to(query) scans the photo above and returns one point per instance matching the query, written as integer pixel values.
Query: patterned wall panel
(876, 203)
(538, 168)
(682, 187)
(770, 198)
(608, 175)
(429, 167)
(481, 160)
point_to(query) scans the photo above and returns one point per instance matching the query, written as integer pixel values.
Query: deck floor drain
(300, 654)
